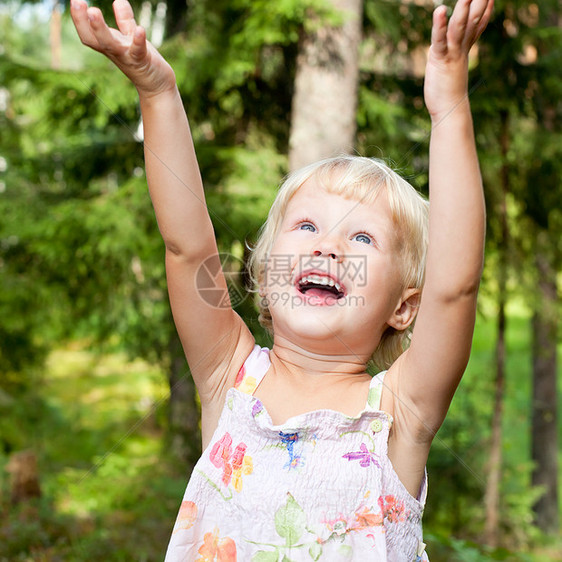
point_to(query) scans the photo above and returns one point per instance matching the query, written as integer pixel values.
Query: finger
(458, 22)
(78, 12)
(485, 19)
(124, 17)
(477, 10)
(439, 31)
(138, 48)
(105, 39)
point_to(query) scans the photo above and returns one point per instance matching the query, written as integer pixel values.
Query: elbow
(468, 290)
(173, 248)
(188, 253)
(458, 290)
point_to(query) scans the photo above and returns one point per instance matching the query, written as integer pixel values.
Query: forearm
(457, 212)
(427, 374)
(173, 175)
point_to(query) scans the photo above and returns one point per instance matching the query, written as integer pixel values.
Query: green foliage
(109, 491)
(33, 529)
(391, 117)
(518, 62)
(404, 25)
(459, 454)
(450, 549)
(82, 226)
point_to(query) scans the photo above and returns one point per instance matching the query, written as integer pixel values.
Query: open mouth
(320, 286)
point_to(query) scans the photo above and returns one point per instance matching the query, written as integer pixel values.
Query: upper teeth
(320, 280)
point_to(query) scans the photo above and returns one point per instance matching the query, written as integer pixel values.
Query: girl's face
(333, 279)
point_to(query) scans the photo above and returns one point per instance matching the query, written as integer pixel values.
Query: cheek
(278, 273)
(381, 287)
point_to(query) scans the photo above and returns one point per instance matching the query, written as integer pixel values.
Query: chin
(313, 325)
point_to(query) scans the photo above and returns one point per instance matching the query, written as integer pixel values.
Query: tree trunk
(544, 430)
(544, 416)
(55, 30)
(492, 494)
(183, 412)
(24, 476)
(323, 121)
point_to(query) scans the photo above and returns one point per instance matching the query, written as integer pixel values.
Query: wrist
(151, 97)
(454, 110)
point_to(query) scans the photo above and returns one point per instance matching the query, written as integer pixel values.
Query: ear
(405, 313)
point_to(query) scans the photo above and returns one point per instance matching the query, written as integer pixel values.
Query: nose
(327, 247)
(318, 253)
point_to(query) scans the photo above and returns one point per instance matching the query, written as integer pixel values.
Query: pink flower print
(215, 549)
(241, 464)
(186, 516)
(220, 457)
(362, 519)
(338, 526)
(364, 456)
(240, 376)
(233, 464)
(238, 455)
(245, 383)
(392, 509)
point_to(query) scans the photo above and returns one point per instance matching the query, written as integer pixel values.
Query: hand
(446, 77)
(126, 47)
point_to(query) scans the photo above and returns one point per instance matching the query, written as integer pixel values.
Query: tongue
(321, 294)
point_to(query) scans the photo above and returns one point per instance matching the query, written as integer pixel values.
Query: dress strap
(253, 370)
(375, 391)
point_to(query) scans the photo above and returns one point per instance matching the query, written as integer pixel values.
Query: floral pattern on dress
(215, 549)
(233, 464)
(363, 518)
(257, 409)
(364, 456)
(245, 383)
(294, 443)
(289, 440)
(291, 524)
(393, 510)
(296, 496)
(186, 516)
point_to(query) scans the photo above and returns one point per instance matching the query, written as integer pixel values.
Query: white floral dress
(318, 487)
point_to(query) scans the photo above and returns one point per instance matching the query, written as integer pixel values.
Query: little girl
(307, 457)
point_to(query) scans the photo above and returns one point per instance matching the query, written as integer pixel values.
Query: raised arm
(212, 336)
(424, 379)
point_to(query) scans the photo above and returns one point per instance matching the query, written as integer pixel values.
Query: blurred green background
(92, 381)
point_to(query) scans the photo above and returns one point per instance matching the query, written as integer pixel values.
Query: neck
(287, 355)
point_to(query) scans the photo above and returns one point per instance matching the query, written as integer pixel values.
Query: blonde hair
(362, 179)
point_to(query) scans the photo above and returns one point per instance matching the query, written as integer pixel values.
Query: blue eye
(307, 226)
(363, 238)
